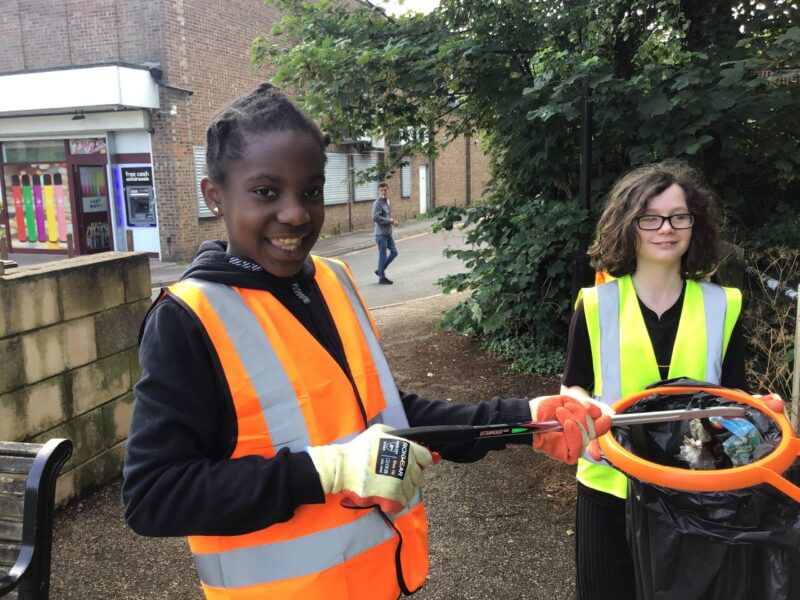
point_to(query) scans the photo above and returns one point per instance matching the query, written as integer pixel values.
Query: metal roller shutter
(199, 172)
(336, 178)
(369, 190)
(405, 180)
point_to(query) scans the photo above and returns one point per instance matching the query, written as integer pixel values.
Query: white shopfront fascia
(96, 88)
(111, 99)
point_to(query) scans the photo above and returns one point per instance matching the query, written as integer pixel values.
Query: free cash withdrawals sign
(137, 176)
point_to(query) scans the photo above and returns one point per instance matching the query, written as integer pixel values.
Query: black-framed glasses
(655, 222)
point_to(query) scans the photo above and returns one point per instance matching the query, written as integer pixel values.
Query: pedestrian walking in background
(382, 216)
(262, 421)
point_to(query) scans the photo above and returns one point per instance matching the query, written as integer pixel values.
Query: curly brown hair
(614, 249)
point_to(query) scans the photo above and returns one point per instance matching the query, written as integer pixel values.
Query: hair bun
(265, 87)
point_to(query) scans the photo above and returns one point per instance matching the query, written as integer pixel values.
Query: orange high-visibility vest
(288, 392)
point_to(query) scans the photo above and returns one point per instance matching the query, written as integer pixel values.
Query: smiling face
(272, 199)
(664, 246)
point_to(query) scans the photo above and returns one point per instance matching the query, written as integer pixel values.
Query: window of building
(369, 189)
(35, 151)
(337, 182)
(405, 180)
(199, 172)
(88, 146)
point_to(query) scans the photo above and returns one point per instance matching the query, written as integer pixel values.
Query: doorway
(423, 189)
(94, 230)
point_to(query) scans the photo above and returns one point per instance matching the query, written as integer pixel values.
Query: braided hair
(266, 108)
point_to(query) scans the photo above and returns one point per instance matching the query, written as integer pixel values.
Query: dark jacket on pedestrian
(382, 216)
(176, 479)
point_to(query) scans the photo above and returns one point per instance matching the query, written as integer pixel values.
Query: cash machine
(139, 197)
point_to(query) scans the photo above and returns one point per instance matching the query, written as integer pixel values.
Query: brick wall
(207, 51)
(480, 167)
(209, 55)
(339, 218)
(402, 208)
(69, 359)
(461, 159)
(450, 171)
(44, 34)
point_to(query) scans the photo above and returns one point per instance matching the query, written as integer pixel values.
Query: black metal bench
(28, 474)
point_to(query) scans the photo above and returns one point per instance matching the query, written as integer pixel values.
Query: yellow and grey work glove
(375, 468)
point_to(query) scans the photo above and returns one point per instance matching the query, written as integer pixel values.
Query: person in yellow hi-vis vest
(262, 422)
(654, 318)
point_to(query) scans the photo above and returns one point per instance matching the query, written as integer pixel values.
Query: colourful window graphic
(87, 146)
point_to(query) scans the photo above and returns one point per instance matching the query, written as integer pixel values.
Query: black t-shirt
(578, 369)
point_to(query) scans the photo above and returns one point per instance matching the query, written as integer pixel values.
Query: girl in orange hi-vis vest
(262, 423)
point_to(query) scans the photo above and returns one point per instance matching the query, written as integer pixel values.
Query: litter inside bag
(693, 450)
(717, 544)
(699, 444)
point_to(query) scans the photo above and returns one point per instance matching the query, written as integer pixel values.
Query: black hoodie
(179, 478)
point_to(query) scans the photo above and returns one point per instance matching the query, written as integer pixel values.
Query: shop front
(76, 172)
(57, 193)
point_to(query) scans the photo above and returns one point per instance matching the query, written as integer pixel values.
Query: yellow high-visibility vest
(623, 358)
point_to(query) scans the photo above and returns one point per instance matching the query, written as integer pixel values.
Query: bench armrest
(37, 516)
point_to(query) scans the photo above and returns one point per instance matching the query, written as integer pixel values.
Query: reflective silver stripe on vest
(293, 558)
(608, 309)
(393, 414)
(715, 305)
(279, 404)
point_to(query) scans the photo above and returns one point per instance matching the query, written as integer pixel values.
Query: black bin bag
(731, 545)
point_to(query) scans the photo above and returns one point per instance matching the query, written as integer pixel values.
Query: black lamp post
(581, 272)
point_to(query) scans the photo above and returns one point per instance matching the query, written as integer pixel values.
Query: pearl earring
(216, 210)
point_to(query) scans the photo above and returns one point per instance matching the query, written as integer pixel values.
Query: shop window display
(54, 189)
(94, 207)
(39, 211)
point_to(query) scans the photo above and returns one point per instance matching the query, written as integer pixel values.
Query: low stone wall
(68, 359)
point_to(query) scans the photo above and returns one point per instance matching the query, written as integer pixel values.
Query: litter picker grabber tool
(445, 434)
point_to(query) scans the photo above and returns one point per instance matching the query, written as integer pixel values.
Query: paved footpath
(163, 274)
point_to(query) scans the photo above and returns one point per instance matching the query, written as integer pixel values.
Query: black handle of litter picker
(446, 434)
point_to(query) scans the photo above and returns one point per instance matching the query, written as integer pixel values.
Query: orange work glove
(582, 421)
(773, 401)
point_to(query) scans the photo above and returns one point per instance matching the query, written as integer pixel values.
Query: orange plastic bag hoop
(766, 470)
